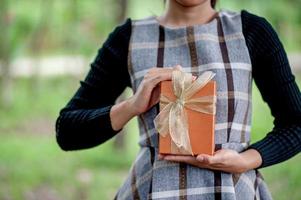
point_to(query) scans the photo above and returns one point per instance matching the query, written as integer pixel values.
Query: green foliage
(80, 27)
(31, 163)
(28, 163)
(283, 15)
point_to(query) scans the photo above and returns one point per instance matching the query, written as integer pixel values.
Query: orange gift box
(200, 125)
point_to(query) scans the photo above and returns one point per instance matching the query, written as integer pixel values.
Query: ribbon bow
(172, 118)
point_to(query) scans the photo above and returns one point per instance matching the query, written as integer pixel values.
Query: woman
(238, 47)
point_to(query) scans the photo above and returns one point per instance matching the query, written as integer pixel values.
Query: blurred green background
(46, 47)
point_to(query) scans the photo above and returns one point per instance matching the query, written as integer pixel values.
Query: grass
(33, 167)
(29, 163)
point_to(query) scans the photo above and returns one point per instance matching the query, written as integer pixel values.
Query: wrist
(130, 108)
(120, 114)
(251, 159)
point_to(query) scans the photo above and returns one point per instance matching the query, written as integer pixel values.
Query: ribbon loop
(172, 118)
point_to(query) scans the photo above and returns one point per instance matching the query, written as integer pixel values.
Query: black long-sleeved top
(85, 121)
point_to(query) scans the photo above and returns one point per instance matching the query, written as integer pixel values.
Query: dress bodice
(219, 46)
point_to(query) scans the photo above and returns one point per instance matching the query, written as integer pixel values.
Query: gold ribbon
(172, 118)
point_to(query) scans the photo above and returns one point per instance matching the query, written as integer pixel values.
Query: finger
(160, 70)
(150, 81)
(156, 70)
(206, 163)
(200, 158)
(156, 75)
(192, 161)
(203, 158)
(179, 158)
(207, 159)
(151, 86)
(155, 96)
(157, 78)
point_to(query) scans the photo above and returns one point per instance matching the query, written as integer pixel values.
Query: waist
(151, 139)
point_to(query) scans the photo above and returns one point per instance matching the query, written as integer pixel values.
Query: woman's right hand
(148, 92)
(146, 96)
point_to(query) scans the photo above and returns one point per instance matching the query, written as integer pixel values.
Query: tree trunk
(37, 43)
(119, 142)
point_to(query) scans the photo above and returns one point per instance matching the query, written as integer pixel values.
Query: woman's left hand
(226, 160)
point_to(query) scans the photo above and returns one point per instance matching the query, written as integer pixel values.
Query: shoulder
(256, 26)
(116, 43)
(251, 17)
(125, 25)
(121, 33)
(260, 36)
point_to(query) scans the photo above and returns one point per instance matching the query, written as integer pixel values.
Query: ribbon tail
(178, 128)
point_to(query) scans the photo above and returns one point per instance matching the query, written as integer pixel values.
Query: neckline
(212, 21)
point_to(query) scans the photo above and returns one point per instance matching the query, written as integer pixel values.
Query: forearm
(80, 129)
(279, 145)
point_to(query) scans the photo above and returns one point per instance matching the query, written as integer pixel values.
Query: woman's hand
(223, 160)
(146, 96)
(148, 92)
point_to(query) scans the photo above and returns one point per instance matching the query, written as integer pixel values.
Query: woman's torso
(218, 46)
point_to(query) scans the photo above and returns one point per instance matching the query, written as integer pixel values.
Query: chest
(218, 46)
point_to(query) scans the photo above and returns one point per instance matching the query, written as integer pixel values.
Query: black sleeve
(85, 121)
(273, 77)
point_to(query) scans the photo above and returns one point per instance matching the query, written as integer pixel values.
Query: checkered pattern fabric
(218, 46)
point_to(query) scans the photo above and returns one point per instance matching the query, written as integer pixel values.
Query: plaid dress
(218, 46)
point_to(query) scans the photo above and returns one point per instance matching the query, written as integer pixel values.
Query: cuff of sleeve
(104, 114)
(263, 149)
(110, 122)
